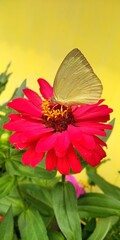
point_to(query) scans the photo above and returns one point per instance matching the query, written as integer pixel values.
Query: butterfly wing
(76, 82)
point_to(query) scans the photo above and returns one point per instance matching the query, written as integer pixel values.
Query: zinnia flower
(79, 187)
(44, 126)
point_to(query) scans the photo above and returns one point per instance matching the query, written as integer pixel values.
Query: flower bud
(4, 137)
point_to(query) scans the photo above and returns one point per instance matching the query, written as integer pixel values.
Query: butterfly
(75, 81)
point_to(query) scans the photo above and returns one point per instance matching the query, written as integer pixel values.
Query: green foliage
(105, 186)
(36, 205)
(98, 205)
(4, 79)
(54, 235)
(31, 225)
(66, 212)
(6, 226)
(114, 233)
(15, 167)
(102, 228)
(6, 184)
(88, 228)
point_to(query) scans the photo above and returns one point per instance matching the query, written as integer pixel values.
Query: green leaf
(15, 237)
(114, 232)
(17, 205)
(88, 227)
(16, 167)
(14, 200)
(18, 91)
(55, 236)
(48, 183)
(6, 226)
(98, 205)
(105, 186)
(66, 212)
(102, 228)
(3, 120)
(4, 78)
(37, 192)
(40, 198)
(6, 184)
(31, 226)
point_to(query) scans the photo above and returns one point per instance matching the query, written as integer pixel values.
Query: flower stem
(63, 178)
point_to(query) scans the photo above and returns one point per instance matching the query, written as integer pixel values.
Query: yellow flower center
(56, 116)
(52, 111)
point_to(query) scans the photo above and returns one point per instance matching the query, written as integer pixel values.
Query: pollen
(56, 116)
(52, 111)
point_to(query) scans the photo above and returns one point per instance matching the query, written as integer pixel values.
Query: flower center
(56, 116)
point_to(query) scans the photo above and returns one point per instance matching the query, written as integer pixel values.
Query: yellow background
(36, 35)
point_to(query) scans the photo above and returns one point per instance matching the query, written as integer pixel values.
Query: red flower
(43, 125)
(1, 218)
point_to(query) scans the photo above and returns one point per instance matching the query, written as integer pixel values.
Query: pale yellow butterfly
(76, 82)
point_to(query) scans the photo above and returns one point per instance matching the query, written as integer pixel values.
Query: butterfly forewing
(75, 81)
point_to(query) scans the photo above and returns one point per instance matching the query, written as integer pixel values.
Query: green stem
(63, 178)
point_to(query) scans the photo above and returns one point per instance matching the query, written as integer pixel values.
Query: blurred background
(35, 36)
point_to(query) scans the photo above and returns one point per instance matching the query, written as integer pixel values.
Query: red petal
(19, 141)
(93, 157)
(76, 132)
(99, 141)
(88, 141)
(94, 124)
(51, 160)
(92, 131)
(92, 112)
(24, 106)
(14, 116)
(32, 158)
(46, 142)
(63, 165)
(28, 127)
(45, 88)
(62, 142)
(74, 160)
(33, 97)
